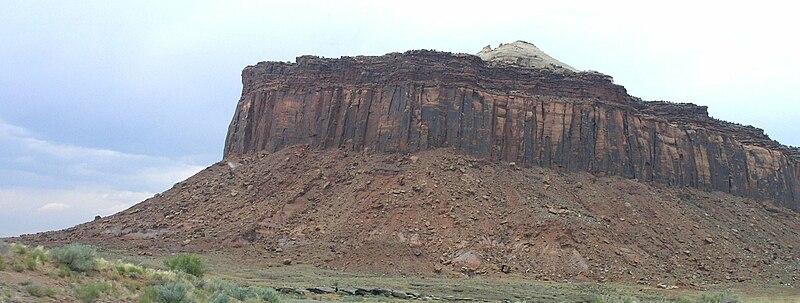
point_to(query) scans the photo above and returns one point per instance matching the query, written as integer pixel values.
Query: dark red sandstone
(405, 102)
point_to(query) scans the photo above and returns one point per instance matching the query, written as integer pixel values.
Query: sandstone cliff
(555, 118)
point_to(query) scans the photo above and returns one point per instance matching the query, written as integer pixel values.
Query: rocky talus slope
(440, 213)
(547, 117)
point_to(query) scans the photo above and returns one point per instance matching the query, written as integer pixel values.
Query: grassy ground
(489, 289)
(38, 275)
(75, 273)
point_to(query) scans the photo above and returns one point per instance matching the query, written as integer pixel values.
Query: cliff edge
(512, 108)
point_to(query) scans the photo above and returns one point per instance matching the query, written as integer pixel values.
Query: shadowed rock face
(555, 118)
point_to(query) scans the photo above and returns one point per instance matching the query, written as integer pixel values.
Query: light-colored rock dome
(523, 54)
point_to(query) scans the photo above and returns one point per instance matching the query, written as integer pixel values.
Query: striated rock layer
(554, 118)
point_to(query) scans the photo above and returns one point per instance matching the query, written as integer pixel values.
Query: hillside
(440, 213)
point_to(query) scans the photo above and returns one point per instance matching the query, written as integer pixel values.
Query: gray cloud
(47, 185)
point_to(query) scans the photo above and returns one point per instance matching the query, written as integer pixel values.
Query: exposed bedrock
(556, 118)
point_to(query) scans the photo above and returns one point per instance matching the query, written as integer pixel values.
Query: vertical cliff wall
(556, 118)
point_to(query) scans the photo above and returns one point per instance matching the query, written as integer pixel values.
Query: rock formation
(471, 179)
(522, 54)
(550, 117)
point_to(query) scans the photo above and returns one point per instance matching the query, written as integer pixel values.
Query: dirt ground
(439, 214)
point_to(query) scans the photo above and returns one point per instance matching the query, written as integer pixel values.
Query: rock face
(549, 117)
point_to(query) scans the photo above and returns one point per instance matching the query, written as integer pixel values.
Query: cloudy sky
(105, 103)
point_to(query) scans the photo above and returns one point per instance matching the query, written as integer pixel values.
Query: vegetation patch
(38, 291)
(91, 292)
(117, 281)
(77, 257)
(170, 292)
(94, 279)
(187, 263)
(18, 267)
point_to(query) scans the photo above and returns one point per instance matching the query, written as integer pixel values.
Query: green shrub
(244, 293)
(239, 293)
(218, 285)
(170, 292)
(723, 297)
(40, 254)
(132, 286)
(224, 291)
(76, 256)
(19, 267)
(64, 271)
(129, 270)
(266, 294)
(628, 299)
(34, 290)
(36, 258)
(38, 291)
(2, 264)
(187, 263)
(19, 249)
(30, 263)
(220, 298)
(91, 292)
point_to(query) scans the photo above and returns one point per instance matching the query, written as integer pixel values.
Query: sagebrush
(187, 263)
(76, 256)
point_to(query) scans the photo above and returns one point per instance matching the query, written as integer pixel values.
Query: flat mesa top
(522, 54)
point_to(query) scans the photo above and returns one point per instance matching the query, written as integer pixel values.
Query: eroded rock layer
(405, 102)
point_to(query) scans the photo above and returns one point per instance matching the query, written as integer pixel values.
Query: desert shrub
(723, 297)
(130, 270)
(40, 254)
(36, 258)
(159, 276)
(30, 263)
(170, 292)
(91, 292)
(266, 294)
(187, 263)
(2, 264)
(225, 291)
(4, 248)
(19, 267)
(218, 285)
(64, 271)
(244, 293)
(629, 299)
(133, 271)
(239, 293)
(220, 298)
(132, 286)
(38, 291)
(76, 256)
(19, 249)
(135, 274)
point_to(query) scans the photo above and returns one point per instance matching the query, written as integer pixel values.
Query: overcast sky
(105, 103)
